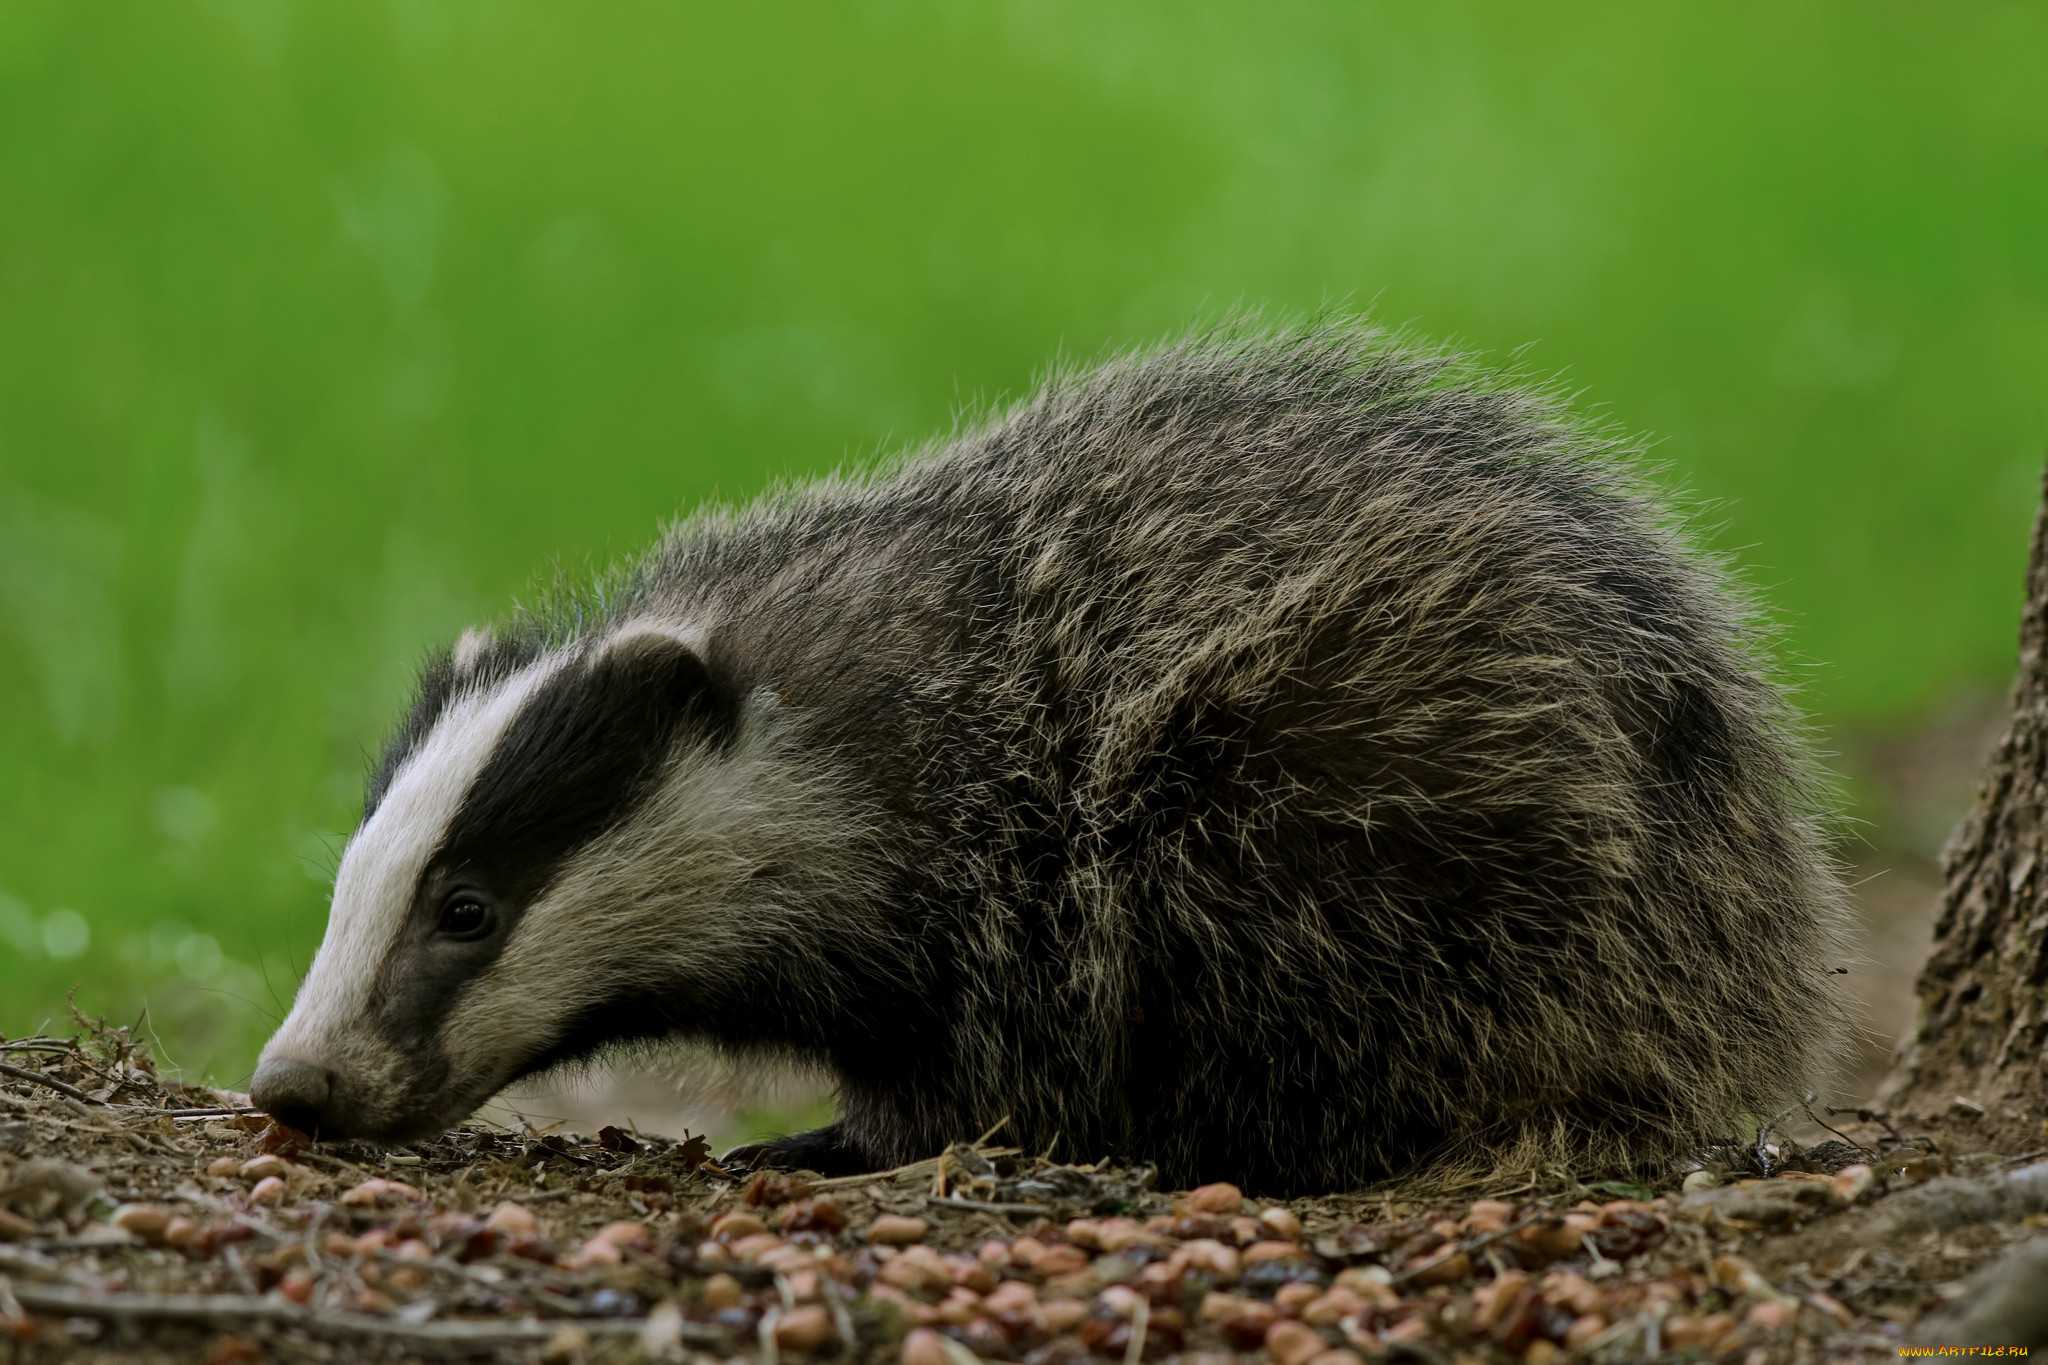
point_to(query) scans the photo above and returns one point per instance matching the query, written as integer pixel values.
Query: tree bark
(1975, 1053)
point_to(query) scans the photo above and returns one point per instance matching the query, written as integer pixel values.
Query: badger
(1294, 755)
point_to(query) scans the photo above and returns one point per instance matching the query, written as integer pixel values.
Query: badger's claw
(824, 1150)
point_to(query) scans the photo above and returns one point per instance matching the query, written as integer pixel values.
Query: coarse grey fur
(1292, 757)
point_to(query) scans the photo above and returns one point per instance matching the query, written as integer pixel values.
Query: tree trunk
(1975, 1052)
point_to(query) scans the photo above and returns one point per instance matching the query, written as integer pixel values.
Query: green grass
(324, 327)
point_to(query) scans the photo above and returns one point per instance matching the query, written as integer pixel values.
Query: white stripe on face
(381, 866)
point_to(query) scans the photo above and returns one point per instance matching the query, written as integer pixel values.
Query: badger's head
(542, 857)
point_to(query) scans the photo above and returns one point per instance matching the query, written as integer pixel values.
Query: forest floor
(142, 1220)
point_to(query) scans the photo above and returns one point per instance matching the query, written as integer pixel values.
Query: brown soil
(142, 1220)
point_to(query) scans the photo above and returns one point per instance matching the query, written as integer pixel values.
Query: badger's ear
(469, 650)
(662, 671)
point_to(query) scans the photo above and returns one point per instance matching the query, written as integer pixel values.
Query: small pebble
(613, 1303)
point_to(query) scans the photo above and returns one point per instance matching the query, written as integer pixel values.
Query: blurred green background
(325, 327)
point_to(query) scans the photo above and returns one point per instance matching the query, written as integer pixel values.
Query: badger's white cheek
(561, 961)
(501, 1024)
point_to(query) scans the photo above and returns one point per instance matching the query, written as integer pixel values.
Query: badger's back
(1293, 759)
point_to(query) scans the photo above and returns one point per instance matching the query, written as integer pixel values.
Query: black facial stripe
(440, 680)
(588, 746)
(584, 750)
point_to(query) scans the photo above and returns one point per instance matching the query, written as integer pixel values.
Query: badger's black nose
(297, 1094)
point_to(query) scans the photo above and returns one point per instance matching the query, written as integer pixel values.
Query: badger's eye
(465, 917)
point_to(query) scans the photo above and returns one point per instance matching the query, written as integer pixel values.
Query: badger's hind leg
(825, 1150)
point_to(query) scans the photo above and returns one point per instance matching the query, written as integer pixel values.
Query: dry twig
(37, 1078)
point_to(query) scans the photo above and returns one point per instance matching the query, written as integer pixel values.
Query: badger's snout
(297, 1094)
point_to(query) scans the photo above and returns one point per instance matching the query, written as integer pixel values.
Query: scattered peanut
(146, 1221)
(262, 1167)
(925, 1347)
(893, 1229)
(804, 1329)
(1281, 1224)
(1220, 1199)
(512, 1220)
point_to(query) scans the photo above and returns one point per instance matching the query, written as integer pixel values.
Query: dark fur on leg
(824, 1150)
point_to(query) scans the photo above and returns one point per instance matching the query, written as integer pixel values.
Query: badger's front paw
(824, 1150)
